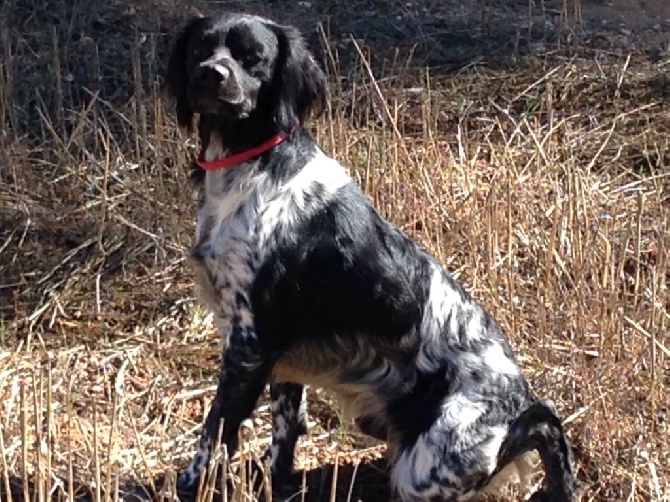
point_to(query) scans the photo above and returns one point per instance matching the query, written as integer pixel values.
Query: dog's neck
(222, 136)
(232, 136)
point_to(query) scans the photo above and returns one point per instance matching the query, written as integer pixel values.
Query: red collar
(238, 158)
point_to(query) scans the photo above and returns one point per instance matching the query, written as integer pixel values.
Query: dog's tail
(539, 428)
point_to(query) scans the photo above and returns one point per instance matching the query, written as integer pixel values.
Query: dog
(310, 285)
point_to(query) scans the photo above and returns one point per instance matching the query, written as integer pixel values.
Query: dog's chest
(226, 251)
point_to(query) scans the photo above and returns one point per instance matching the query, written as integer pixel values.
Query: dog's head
(238, 66)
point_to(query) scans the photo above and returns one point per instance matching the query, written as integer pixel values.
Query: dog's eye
(250, 60)
(196, 51)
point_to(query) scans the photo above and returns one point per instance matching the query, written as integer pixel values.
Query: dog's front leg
(245, 370)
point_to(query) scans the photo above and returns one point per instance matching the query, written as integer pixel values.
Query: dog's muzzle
(214, 73)
(210, 79)
(214, 88)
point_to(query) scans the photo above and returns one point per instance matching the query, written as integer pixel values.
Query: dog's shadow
(366, 481)
(363, 482)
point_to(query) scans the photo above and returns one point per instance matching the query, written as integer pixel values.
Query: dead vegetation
(543, 186)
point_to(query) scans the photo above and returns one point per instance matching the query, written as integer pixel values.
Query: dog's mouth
(220, 103)
(220, 98)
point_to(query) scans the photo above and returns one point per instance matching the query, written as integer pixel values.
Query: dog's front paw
(187, 485)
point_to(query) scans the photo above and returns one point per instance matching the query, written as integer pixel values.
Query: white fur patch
(282, 208)
(424, 471)
(495, 358)
(442, 300)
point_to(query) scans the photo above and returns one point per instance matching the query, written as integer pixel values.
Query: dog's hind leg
(288, 404)
(471, 443)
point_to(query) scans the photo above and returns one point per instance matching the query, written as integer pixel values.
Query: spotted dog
(309, 284)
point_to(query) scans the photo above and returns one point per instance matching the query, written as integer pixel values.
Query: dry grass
(544, 187)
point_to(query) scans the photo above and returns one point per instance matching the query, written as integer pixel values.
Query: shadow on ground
(370, 484)
(72, 51)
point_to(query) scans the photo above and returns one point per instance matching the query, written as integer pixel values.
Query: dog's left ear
(177, 77)
(299, 85)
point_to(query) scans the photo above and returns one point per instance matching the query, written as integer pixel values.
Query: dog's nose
(213, 73)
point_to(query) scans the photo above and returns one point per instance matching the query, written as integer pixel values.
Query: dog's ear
(299, 84)
(177, 77)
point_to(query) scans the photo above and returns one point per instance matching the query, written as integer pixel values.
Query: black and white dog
(310, 285)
